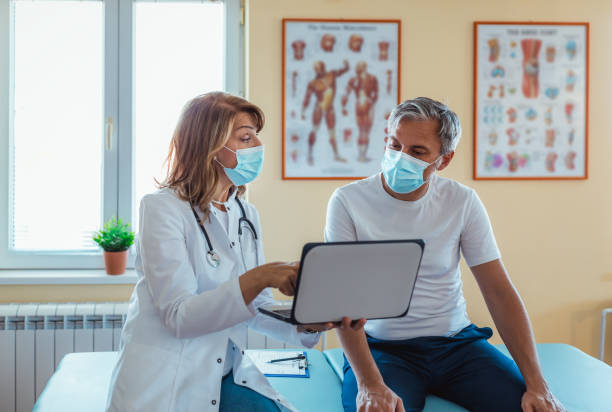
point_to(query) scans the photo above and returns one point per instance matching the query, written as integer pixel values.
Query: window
(95, 89)
(65, 48)
(165, 65)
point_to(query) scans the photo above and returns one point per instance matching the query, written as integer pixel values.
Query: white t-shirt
(450, 218)
(222, 216)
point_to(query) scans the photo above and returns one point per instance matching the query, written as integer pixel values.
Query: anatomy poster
(341, 81)
(531, 101)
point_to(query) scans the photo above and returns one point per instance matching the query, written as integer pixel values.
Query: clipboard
(285, 369)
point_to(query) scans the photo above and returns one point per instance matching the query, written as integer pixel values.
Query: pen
(299, 357)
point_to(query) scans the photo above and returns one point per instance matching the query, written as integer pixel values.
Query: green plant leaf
(115, 236)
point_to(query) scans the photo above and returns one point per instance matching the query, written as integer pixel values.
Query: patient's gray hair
(424, 108)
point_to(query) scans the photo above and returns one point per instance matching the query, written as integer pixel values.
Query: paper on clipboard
(293, 368)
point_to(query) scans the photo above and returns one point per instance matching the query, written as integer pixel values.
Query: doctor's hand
(315, 327)
(322, 327)
(279, 275)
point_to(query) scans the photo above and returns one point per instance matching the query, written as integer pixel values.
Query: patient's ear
(446, 159)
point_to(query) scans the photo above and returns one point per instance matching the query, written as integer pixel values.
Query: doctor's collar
(232, 196)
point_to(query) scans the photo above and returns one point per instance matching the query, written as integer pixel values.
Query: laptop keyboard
(283, 312)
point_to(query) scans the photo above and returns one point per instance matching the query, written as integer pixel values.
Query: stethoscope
(212, 257)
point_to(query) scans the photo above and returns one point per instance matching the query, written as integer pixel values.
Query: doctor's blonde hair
(203, 129)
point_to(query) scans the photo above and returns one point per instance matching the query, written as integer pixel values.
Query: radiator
(35, 336)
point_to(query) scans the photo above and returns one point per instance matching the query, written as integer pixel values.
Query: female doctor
(201, 275)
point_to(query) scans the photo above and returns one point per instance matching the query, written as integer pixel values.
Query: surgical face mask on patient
(250, 162)
(403, 173)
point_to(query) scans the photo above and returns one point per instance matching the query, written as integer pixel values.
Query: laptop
(368, 279)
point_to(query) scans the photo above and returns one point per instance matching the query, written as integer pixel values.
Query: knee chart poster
(340, 82)
(530, 100)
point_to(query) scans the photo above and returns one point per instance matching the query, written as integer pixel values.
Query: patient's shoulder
(452, 191)
(359, 187)
(451, 185)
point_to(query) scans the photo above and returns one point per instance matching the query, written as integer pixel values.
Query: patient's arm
(373, 394)
(512, 322)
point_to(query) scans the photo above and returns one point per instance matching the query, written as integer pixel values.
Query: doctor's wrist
(251, 285)
(260, 278)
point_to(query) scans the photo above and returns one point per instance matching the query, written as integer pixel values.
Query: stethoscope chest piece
(213, 258)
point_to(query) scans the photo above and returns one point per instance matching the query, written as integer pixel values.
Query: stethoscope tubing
(211, 255)
(210, 248)
(244, 219)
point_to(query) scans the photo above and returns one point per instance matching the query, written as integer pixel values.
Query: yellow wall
(555, 237)
(65, 293)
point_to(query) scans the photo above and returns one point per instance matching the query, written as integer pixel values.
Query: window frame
(118, 178)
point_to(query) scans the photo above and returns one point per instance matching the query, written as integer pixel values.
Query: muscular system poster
(531, 101)
(341, 81)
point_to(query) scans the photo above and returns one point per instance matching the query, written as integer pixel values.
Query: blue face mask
(250, 162)
(403, 173)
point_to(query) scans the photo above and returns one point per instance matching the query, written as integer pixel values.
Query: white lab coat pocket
(143, 379)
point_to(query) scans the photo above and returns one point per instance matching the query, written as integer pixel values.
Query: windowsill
(65, 277)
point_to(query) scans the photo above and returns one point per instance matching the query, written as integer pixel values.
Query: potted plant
(115, 238)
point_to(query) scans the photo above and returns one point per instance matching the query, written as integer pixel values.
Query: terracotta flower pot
(115, 262)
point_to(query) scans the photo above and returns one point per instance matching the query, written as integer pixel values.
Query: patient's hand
(541, 400)
(378, 398)
(353, 324)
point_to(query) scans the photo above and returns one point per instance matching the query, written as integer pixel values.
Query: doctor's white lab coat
(183, 313)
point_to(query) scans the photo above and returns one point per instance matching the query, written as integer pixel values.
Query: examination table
(581, 382)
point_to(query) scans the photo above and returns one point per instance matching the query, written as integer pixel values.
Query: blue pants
(464, 369)
(236, 398)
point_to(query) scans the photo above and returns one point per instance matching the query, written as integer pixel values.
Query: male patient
(434, 348)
